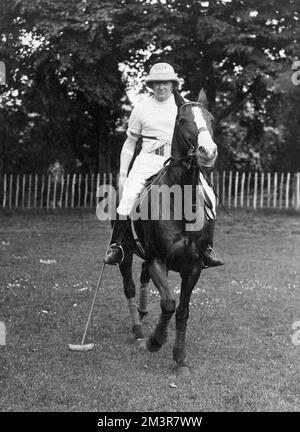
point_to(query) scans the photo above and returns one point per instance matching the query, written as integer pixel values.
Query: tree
(69, 67)
(64, 62)
(232, 49)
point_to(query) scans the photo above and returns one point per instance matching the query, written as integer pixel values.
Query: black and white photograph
(149, 210)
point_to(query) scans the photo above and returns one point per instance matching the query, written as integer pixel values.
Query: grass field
(239, 339)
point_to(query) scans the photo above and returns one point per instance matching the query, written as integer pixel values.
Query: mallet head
(81, 347)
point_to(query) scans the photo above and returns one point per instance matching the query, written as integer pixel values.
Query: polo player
(153, 120)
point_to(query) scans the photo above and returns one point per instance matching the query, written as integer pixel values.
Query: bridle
(191, 150)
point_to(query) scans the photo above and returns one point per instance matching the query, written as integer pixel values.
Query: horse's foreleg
(143, 300)
(188, 282)
(129, 290)
(159, 275)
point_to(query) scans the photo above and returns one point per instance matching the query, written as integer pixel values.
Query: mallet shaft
(92, 305)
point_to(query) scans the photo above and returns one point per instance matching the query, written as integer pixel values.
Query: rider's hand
(122, 178)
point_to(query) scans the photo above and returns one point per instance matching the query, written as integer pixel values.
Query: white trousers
(146, 165)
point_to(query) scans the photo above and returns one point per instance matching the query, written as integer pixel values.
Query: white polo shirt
(154, 119)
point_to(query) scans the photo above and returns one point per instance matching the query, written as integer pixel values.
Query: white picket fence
(234, 190)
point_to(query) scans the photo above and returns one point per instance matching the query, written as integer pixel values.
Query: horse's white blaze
(204, 138)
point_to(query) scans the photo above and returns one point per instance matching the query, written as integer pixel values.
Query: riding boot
(115, 253)
(209, 256)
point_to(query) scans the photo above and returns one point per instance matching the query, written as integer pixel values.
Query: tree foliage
(235, 50)
(67, 76)
(65, 94)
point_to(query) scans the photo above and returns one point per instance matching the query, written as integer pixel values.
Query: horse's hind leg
(143, 300)
(129, 290)
(159, 275)
(189, 280)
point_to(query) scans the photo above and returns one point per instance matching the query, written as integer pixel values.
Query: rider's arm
(133, 133)
(127, 153)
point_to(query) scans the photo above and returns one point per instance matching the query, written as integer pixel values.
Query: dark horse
(168, 244)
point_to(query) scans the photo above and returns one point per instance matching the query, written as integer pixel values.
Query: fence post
(48, 190)
(29, 191)
(255, 191)
(248, 189)
(67, 191)
(62, 185)
(42, 191)
(262, 181)
(86, 186)
(17, 191)
(10, 190)
(297, 192)
(54, 193)
(287, 190)
(35, 190)
(281, 190)
(242, 190)
(79, 191)
(229, 189)
(23, 190)
(73, 190)
(275, 191)
(92, 190)
(4, 191)
(269, 190)
(223, 186)
(236, 188)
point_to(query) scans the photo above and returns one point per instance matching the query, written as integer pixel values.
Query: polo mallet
(82, 346)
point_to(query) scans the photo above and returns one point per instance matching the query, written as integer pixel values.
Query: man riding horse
(153, 120)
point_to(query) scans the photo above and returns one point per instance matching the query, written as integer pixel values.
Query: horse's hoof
(142, 314)
(183, 372)
(152, 345)
(138, 332)
(140, 343)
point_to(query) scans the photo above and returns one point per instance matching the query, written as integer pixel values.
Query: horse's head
(194, 122)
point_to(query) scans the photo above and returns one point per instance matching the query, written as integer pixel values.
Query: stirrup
(123, 253)
(122, 250)
(211, 256)
(211, 249)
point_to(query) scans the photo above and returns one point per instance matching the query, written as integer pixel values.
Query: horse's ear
(202, 98)
(178, 98)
